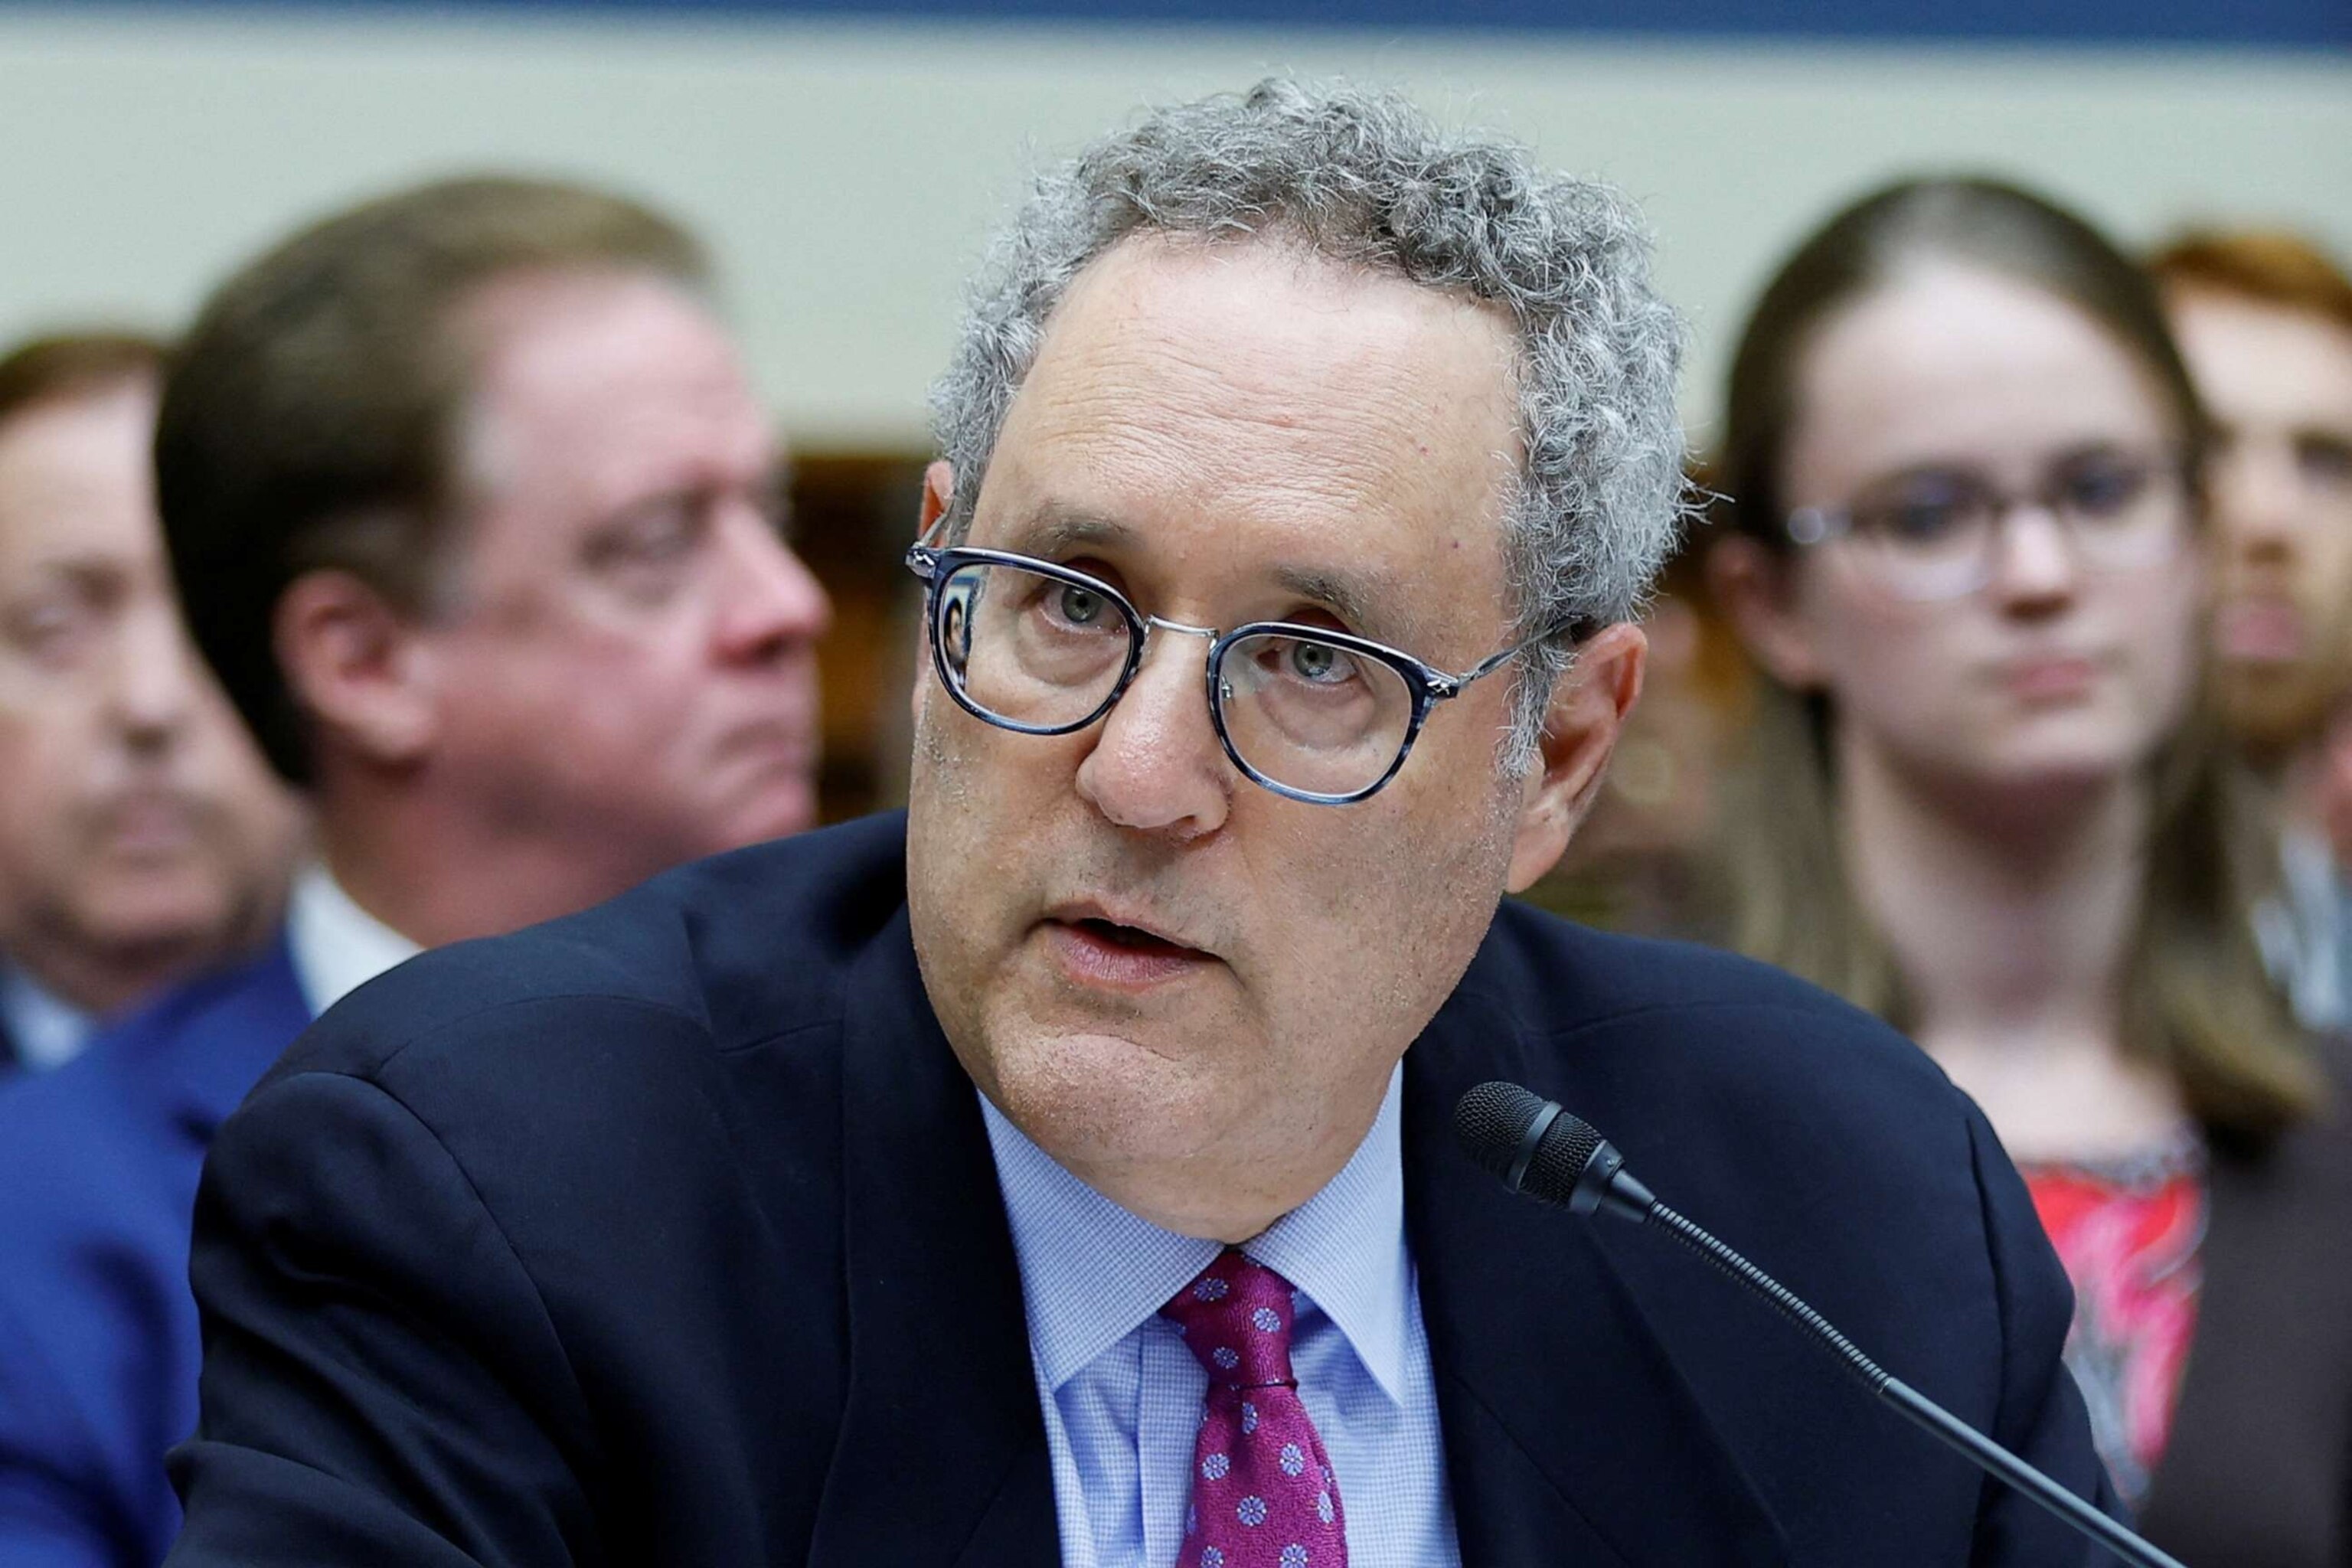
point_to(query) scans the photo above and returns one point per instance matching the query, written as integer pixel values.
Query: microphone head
(1568, 1167)
(1489, 1121)
(1571, 1163)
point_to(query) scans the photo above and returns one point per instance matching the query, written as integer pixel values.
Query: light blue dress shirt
(1122, 1397)
(47, 1030)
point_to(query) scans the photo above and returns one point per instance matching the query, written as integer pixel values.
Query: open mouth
(1133, 939)
(1096, 951)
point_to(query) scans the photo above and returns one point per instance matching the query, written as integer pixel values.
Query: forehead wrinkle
(1153, 397)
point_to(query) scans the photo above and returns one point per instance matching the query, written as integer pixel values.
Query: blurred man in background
(2265, 321)
(476, 515)
(142, 838)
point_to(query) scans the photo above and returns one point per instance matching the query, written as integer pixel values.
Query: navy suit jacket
(669, 1234)
(97, 1332)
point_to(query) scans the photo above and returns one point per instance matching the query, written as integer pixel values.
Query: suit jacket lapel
(1569, 1434)
(942, 1457)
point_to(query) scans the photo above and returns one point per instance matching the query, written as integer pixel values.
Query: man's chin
(1090, 1094)
(2271, 707)
(139, 914)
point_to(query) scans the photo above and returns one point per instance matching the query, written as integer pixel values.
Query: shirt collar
(47, 1030)
(337, 946)
(1091, 1271)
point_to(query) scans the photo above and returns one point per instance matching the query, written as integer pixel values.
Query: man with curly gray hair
(1059, 1173)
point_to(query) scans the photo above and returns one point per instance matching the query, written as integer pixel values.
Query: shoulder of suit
(728, 947)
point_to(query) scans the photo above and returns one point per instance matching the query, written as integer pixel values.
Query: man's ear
(356, 668)
(1580, 726)
(939, 493)
(1757, 592)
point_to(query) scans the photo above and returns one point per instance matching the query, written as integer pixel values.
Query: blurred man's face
(1189, 990)
(139, 829)
(2278, 384)
(628, 671)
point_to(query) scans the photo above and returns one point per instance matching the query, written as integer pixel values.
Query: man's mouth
(1132, 939)
(2259, 630)
(146, 823)
(1095, 950)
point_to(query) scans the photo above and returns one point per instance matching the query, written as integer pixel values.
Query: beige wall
(847, 173)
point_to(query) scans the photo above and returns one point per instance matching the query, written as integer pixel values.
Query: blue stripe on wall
(2294, 24)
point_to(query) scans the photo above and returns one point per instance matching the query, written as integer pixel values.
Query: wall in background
(848, 170)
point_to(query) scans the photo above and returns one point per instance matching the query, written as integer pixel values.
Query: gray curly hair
(1365, 178)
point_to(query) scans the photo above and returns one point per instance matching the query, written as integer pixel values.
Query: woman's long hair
(2196, 997)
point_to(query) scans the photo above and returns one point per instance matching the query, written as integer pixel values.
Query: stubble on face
(142, 833)
(624, 473)
(1233, 411)
(2277, 384)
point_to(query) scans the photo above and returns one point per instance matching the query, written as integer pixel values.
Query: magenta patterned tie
(1262, 1492)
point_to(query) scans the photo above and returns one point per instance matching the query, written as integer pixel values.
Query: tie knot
(1235, 1316)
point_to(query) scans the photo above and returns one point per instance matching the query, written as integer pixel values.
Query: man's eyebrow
(1056, 529)
(1346, 595)
(1352, 596)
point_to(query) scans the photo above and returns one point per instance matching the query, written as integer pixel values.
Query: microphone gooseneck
(1542, 1150)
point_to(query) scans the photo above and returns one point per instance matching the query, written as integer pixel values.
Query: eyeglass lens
(1043, 654)
(1933, 534)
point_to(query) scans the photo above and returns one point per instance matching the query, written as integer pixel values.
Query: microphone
(1542, 1150)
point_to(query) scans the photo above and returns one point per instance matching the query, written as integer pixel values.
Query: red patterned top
(2128, 1233)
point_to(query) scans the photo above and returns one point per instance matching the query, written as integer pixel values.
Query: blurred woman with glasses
(1961, 462)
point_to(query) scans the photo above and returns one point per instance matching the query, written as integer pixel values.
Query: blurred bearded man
(2264, 320)
(1043, 1175)
(141, 837)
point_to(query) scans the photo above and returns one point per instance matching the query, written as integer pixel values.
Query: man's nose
(1156, 765)
(154, 676)
(2256, 503)
(770, 603)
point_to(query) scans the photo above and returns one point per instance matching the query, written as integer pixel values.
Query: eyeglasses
(1934, 533)
(1039, 648)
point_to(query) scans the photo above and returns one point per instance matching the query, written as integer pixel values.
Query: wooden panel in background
(853, 516)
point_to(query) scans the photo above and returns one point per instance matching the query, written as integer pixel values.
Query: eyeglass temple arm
(922, 556)
(1447, 686)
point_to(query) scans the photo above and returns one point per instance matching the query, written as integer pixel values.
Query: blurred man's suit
(669, 1233)
(95, 1183)
(97, 1173)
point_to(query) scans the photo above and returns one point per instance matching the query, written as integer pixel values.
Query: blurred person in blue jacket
(2264, 320)
(478, 518)
(141, 837)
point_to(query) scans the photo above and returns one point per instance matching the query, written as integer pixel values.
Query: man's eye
(2326, 459)
(1076, 607)
(49, 628)
(666, 539)
(651, 539)
(1319, 664)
